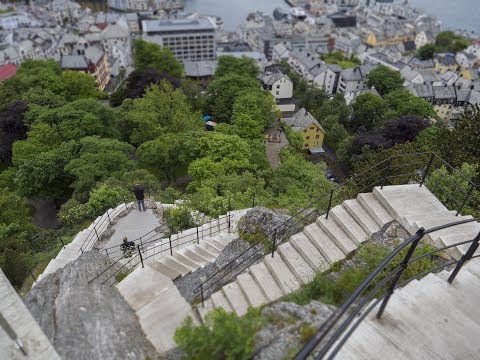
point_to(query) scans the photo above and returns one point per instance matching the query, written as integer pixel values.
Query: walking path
(134, 225)
(273, 150)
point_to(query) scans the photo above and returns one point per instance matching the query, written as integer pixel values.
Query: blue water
(454, 14)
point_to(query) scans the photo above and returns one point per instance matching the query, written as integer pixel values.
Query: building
(191, 40)
(142, 5)
(280, 86)
(445, 62)
(90, 60)
(354, 79)
(201, 71)
(7, 71)
(313, 132)
(327, 77)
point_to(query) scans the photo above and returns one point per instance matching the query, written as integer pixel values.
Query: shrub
(223, 336)
(179, 218)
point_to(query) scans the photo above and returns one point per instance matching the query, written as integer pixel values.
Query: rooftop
(177, 25)
(7, 71)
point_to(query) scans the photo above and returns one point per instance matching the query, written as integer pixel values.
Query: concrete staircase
(16, 314)
(426, 319)
(150, 290)
(72, 251)
(326, 241)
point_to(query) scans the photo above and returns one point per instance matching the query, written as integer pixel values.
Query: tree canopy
(243, 66)
(151, 55)
(384, 79)
(369, 111)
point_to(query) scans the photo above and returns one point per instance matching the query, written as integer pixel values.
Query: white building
(327, 77)
(192, 40)
(280, 86)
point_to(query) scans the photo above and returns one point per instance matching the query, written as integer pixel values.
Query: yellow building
(444, 63)
(383, 40)
(313, 133)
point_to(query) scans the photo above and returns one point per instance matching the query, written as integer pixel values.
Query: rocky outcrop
(289, 326)
(260, 220)
(87, 321)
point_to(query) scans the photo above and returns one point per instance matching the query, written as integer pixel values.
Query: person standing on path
(139, 195)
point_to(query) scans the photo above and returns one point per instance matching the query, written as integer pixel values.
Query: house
(280, 52)
(445, 62)
(313, 133)
(7, 71)
(91, 60)
(304, 61)
(327, 77)
(201, 71)
(280, 86)
(423, 38)
(470, 74)
(416, 63)
(354, 79)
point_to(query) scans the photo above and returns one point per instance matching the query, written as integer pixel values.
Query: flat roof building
(189, 40)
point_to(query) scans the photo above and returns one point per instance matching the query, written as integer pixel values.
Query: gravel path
(273, 150)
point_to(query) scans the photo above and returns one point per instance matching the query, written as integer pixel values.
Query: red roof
(7, 71)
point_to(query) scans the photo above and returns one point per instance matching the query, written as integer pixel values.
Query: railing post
(31, 274)
(387, 173)
(108, 215)
(198, 237)
(229, 222)
(201, 295)
(141, 242)
(425, 173)
(404, 265)
(229, 205)
(96, 233)
(465, 200)
(467, 256)
(274, 241)
(329, 204)
(140, 253)
(170, 242)
(106, 251)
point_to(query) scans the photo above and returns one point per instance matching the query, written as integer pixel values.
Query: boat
(298, 13)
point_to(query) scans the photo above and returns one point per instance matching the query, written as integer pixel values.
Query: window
(278, 86)
(308, 137)
(311, 128)
(318, 130)
(317, 136)
(303, 130)
(316, 144)
(277, 92)
(306, 145)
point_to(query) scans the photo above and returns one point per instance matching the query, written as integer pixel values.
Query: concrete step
(336, 234)
(195, 257)
(186, 261)
(330, 251)
(236, 298)
(296, 263)
(265, 281)
(218, 246)
(211, 249)
(219, 300)
(309, 252)
(348, 224)
(376, 210)
(174, 264)
(285, 279)
(142, 286)
(202, 252)
(204, 309)
(251, 290)
(355, 209)
(473, 266)
(224, 238)
(164, 269)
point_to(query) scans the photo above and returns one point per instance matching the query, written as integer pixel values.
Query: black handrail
(380, 177)
(333, 322)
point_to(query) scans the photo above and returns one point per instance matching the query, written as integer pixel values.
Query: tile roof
(301, 120)
(7, 71)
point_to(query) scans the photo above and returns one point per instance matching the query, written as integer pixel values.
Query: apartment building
(189, 40)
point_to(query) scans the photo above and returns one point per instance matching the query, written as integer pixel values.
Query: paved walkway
(273, 150)
(134, 225)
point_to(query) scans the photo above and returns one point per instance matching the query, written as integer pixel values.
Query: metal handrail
(411, 243)
(209, 282)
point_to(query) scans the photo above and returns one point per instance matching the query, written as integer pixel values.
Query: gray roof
(463, 94)
(425, 64)
(358, 73)
(424, 90)
(446, 59)
(272, 78)
(444, 92)
(199, 68)
(333, 67)
(73, 62)
(166, 26)
(428, 75)
(93, 54)
(301, 120)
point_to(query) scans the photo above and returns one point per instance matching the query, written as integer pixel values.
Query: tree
(448, 41)
(313, 99)
(12, 129)
(78, 85)
(259, 105)
(403, 103)
(223, 91)
(97, 160)
(338, 58)
(335, 133)
(369, 111)
(138, 81)
(384, 80)
(151, 55)
(243, 66)
(159, 111)
(426, 52)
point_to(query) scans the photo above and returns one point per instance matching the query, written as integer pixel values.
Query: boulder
(87, 321)
(269, 223)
